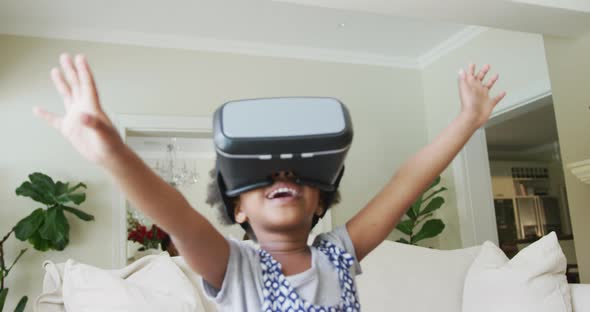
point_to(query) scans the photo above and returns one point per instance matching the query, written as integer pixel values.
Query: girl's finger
(483, 72)
(50, 118)
(62, 86)
(71, 74)
(472, 69)
(491, 83)
(499, 98)
(462, 78)
(464, 81)
(87, 84)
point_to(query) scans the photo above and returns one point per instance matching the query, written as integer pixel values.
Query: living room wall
(569, 70)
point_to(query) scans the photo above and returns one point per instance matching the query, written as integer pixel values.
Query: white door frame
(471, 171)
(145, 123)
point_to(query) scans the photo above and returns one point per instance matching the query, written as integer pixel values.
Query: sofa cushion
(398, 277)
(534, 280)
(580, 297)
(157, 284)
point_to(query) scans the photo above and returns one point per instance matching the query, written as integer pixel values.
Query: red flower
(148, 238)
(160, 234)
(138, 234)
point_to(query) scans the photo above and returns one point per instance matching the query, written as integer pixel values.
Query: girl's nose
(283, 175)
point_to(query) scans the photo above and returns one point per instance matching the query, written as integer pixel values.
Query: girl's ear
(241, 217)
(239, 214)
(320, 210)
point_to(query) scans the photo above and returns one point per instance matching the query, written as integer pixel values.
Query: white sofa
(396, 277)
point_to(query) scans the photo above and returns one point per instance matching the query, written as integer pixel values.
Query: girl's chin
(286, 222)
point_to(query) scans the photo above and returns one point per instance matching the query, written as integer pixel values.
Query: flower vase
(148, 252)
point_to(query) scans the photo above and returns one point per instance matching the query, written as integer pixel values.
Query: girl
(285, 273)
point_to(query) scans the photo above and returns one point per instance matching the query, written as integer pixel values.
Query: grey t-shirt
(241, 289)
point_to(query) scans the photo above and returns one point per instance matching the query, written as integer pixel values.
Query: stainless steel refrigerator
(527, 217)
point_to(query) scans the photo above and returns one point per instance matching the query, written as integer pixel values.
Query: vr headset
(255, 138)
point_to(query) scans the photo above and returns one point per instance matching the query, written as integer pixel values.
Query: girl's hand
(84, 124)
(476, 104)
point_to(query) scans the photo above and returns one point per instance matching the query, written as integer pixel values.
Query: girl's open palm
(84, 124)
(476, 102)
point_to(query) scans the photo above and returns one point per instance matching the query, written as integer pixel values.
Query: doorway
(528, 185)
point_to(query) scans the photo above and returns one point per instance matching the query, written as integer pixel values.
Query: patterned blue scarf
(279, 296)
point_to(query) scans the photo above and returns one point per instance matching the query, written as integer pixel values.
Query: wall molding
(473, 191)
(581, 170)
(454, 42)
(245, 47)
(548, 147)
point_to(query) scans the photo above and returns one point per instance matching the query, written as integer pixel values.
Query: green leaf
(20, 307)
(412, 213)
(56, 228)
(433, 205)
(27, 189)
(406, 226)
(403, 241)
(79, 213)
(78, 198)
(39, 243)
(69, 197)
(79, 185)
(43, 182)
(3, 294)
(26, 227)
(435, 183)
(61, 188)
(430, 229)
(442, 189)
(424, 217)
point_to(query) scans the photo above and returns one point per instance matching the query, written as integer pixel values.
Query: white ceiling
(400, 33)
(574, 5)
(252, 26)
(554, 17)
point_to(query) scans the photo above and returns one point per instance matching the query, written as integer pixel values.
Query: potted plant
(151, 240)
(45, 228)
(417, 215)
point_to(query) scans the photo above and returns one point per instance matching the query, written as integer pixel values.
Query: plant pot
(140, 254)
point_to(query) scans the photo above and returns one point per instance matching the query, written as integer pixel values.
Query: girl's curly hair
(215, 200)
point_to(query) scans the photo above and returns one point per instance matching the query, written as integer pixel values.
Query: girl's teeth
(282, 190)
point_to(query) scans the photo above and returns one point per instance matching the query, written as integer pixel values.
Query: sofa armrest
(580, 297)
(51, 298)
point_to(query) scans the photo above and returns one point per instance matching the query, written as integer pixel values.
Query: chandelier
(171, 171)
